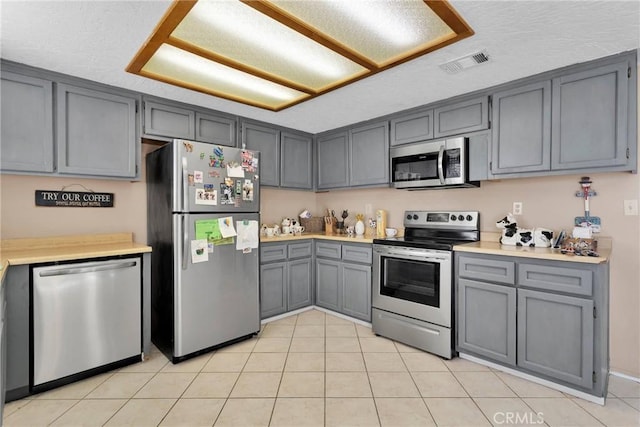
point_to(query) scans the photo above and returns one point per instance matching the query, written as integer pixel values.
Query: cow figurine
(512, 235)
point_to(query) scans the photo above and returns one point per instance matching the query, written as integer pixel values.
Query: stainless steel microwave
(432, 164)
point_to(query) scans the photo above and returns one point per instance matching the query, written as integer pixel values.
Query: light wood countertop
(495, 248)
(321, 236)
(65, 248)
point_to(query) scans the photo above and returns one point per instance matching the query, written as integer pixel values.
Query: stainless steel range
(413, 284)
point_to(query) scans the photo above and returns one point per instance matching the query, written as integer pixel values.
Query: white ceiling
(97, 39)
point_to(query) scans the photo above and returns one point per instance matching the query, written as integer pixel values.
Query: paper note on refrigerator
(199, 251)
(235, 171)
(226, 227)
(247, 235)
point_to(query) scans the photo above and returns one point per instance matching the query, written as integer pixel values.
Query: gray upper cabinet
(96, 132)
(555, 336)
(414, 127)
(521, 121)
(353, 158)
(333, 160)
(266, 140)
(286, 158)
(369, 155)
(215, 129)
(26, 141)
(168, 121)
(462, 117)
(296, 161)
(590, 113)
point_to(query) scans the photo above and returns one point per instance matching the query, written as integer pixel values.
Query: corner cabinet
(286, 277)
(356, 157)
(544, 318)
(286, 158)
(96, 132)
(343, 278)
(26, 141)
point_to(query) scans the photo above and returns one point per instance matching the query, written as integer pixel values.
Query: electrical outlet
(517, 208)
(631, 207)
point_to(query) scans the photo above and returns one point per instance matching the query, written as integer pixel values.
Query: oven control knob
(409, 217)
(415, 216)
(453, 217)
(460, 218)
(469, 218)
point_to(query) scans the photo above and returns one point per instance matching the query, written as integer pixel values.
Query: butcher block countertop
(65, 248)
(492, 247)
(322, 236)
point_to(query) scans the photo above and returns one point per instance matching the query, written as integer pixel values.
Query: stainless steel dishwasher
(85, 316)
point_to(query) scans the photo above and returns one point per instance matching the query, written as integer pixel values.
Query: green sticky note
(208, 229)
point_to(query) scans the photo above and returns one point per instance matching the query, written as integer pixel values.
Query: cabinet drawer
(269, 253)
(493, 270)
(561, 279)
(354, 253)
(299, 250)
(329, 250)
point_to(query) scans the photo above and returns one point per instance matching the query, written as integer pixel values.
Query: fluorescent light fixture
(278, 53)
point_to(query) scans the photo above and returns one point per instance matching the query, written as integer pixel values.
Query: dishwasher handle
(87, 269)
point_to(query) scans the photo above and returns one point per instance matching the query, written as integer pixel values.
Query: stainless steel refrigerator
(204, 287)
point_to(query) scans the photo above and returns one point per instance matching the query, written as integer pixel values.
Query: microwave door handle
(440, 165)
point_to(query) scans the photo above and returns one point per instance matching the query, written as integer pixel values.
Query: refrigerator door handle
(185, 241)
(185, 185)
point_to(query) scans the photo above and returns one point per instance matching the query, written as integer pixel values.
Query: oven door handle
(399, 253)
(440, 164)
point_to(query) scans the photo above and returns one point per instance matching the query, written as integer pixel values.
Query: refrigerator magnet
(226, 194)
(198, 177)
(206, 196)
(199, 252)
(247, 191)
(238, 187)
(191, 180)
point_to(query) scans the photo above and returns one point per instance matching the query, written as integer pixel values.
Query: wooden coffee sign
(74, 199)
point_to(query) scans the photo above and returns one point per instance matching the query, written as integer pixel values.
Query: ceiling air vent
(464, 62)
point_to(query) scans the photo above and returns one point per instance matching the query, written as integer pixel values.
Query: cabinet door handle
(87, 269)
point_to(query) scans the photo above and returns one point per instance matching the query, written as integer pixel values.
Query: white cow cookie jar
(512, 235)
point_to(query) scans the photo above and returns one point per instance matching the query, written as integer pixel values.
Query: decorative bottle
(359, 225)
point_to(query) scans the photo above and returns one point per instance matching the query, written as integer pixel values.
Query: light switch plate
(631, 207)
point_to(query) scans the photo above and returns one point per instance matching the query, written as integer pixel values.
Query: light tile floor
(316, 369)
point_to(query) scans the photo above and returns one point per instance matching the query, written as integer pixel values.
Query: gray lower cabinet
(286, 158)
(96, 132)
(555, 336)
(286, 277)
(355, 157)
(273, 289)
(481, 304)
(18, 327)
(461, 117)
(521, 120)
(343, 278)
(3, 346)
(590, 113)
(26, 142)
(544, 318)
(412, 127)
(165, 120)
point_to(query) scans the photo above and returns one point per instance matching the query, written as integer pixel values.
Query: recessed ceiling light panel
(275, 54)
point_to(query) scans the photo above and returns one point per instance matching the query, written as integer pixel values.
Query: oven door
(413, 282)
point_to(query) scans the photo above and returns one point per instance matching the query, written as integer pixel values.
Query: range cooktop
(439, 230)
